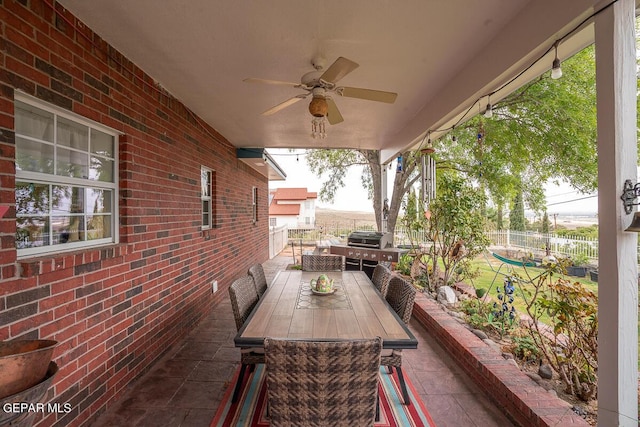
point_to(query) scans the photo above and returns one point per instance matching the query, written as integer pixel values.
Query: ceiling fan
(321, 85)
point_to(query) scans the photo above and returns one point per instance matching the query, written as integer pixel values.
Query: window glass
(101, 169)
(72, 134)
(32, 232)
(102, 143)
(34, 122)
(33, 156)
(72, 164)
(207, 195)
(66, 189)
(32, 199)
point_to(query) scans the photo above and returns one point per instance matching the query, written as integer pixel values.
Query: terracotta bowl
(33, 394)
(23, 364)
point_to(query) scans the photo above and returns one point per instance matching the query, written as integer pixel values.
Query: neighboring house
(293, 207)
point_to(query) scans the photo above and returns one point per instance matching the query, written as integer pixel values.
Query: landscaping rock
(545, 371)
(480, 334)
(446, 295)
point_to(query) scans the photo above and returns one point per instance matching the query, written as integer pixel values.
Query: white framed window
(254, 203)
(207, 193)
(66, 180)
(273, 222)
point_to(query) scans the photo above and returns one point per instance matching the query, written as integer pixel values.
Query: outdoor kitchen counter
(371, 254)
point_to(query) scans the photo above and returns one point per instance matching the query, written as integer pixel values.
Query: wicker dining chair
(257, 273)
(401, 295)
(322, 262)
(244, 297)
(320, 383)
(381, 277)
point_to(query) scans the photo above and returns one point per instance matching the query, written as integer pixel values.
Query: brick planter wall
(522, 400)
(116, 309)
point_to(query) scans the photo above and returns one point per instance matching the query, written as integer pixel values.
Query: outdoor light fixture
(630, 192)
(635, 224)
(488, 113)
(556, 71)
(318, 109)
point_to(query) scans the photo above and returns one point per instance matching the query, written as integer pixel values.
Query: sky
(561, 199)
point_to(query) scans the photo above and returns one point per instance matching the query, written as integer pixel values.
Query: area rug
(250, 409)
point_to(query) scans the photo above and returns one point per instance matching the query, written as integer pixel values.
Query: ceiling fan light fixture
(318, 107)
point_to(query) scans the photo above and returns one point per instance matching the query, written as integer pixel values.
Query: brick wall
(116, 309)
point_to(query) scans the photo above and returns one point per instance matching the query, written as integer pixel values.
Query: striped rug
(250, 410)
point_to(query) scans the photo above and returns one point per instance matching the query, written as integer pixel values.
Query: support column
(618, 271)
(383, 198)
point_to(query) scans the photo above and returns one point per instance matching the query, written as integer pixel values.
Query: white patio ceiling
(439, 56)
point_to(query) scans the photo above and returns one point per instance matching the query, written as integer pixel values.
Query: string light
(488, 113)
(556, 71)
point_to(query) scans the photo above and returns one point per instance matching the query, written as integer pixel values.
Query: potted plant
(578, 266)
(593, 275)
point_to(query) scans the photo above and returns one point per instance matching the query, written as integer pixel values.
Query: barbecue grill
(365, 249)
(370, 239)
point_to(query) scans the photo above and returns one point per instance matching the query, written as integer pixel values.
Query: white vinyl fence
(570, 246)
(533, 242)
(278, 240)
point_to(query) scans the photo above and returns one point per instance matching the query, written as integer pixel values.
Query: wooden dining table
(290, 309)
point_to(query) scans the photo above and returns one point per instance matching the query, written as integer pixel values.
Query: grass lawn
(491, 281)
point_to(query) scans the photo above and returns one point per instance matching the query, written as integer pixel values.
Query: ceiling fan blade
(270, 82)
(333, 114)
(340, 68)
(285, 104)
(368, 94)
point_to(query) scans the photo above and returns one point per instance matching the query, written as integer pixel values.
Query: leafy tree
(545, 222)
(334, 164)
(544, 131)
(455, 225)
(516, 217)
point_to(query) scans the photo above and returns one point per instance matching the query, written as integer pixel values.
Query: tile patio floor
(185, 387)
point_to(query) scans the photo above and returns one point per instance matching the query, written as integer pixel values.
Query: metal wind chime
(428, 175)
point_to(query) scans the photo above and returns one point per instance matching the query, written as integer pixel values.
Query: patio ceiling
(439, 56)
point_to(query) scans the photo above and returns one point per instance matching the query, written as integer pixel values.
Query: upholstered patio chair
(380, 278)
(244, 297)
(322, 262)
(401, 295)
(257, 273)
(315, 383)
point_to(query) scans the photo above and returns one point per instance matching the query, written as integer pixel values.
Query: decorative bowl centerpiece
(322, 285)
